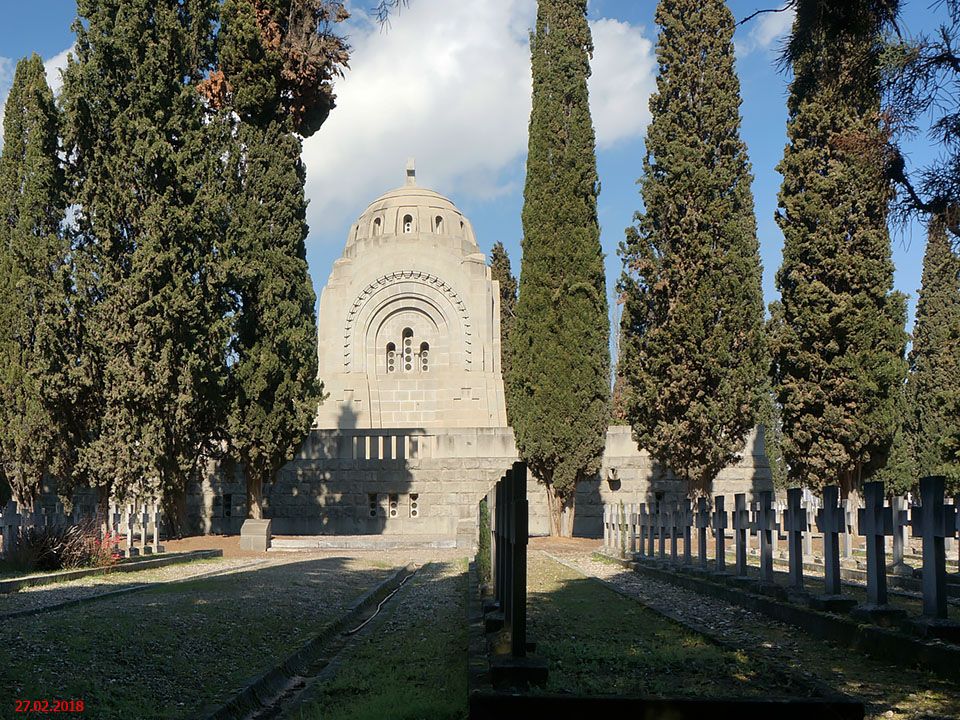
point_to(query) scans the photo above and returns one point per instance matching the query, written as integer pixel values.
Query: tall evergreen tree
(559, 346)
(501, 272)
(142, 178)
(35, 291)
(935, 359)
(693, 351)
(273, 387)
(838, 330)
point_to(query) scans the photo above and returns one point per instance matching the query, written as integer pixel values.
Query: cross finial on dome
(411, 172)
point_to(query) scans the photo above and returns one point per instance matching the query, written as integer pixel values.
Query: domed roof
(410, 196)
(411, 210)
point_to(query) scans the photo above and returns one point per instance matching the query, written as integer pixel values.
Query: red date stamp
(48, 706)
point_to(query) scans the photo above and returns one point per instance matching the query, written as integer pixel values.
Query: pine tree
(501, 272)
(838, 330)
(935, 359)
(143, 180)
(560, 358)
(693, 351)
(35, 291)
(273, 387)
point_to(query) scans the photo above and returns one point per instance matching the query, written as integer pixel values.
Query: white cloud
(449, 83)
(55, 66)
(766, 31)
(623, 76)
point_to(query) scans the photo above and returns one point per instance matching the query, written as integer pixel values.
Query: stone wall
(428, 484)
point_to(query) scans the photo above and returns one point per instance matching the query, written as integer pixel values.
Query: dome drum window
(408, 223)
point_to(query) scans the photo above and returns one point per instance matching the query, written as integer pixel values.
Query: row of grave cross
(638, 528)
(128, 520)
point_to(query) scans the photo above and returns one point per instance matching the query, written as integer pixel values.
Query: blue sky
(448, 83)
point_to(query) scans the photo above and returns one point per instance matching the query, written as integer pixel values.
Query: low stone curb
(889, 645)
(259, 690)
(9, 586)
(123, 591)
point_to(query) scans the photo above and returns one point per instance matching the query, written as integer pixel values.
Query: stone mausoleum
(414, 431)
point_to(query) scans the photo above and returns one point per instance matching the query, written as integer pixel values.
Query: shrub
(60, 547)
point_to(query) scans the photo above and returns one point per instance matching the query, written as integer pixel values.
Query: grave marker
(157, 547)
(642, 520)
(934, 521)
(128, 524)
(11, 526)
(674, 531)
(876, 523)
(901, 521)
(831, 522)
(703, 522)
(686, 521)
(741, 526)
(765, 524)
(719, 528)
(796, 525)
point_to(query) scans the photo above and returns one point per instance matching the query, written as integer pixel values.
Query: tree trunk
(254, 494)
(850, 490)
(562, 513)
(175, 507)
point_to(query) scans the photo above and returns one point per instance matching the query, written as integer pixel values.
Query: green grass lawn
(410, 666)
(170, 650)
(598, 642)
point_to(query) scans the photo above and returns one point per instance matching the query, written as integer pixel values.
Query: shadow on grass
(167, 651)
(777, 653)
(410, 665)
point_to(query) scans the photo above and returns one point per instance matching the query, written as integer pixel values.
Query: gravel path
(887, 691)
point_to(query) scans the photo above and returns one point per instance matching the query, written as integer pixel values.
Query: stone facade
(427, 484)
(409, 321)
(414, 432)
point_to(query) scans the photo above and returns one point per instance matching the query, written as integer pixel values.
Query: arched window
(438, 224)
(408, 223)
(377, 226)
(391, 357)
(407, 350)
(424, 356)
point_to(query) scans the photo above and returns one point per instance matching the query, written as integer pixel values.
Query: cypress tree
(273, 387)
(142, 179)
(839, 338)
(693, 351)
(560, 358)
(935, 359)
(501, 272)
(35, 297)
